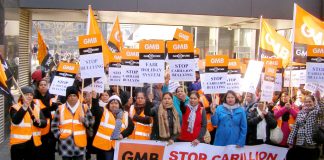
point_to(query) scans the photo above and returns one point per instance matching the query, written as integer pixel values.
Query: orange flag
(115, 42)
(92, 28)
(42, 49)
(308, 30)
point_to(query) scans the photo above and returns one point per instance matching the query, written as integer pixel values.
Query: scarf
(192, 117)
(231, 108)
(119, 116)
(73, 108)
(261, 127)
(102, 104)
(164, 131)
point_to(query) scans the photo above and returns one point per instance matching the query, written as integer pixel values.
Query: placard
(268, 83)
(196, 58)
(278, 63)
(252, 76)
(130, 68)
(315, 64)
(98, 86)
(234, 75)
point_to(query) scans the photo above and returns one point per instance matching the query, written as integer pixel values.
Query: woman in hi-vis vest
(27, 120)
(115, 124)
(69, 126)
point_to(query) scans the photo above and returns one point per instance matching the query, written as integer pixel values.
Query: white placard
(214, 83)
(267, 91)
(315, 72)
(252, 76)
(182, 70)
(295, 78)
(99, 86)
(302, 75)
(278, 82)
(91, 65)
(173, 86)
(59, 85)
(196, 64)
(233, 82)
(114, 76)
(312, 87)
(151, 71)
(130, 76)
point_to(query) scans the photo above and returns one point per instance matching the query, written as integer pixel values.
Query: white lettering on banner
(132, 54)
(152, 46)
(301, 52)
(186, 37)
(90, 40)
(117, 57)
(272, 63)
(318, 50)
(71, 68)
(180, 46)
(217, 60)
(311, 33)
(280, 50)
(232, 63)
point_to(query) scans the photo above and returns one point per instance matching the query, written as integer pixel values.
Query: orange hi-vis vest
(70, 124)
(48, 126)
(102, 139)
(205, 103)
(25, 130)
(141, 131)
(291, 120)
(52, 100)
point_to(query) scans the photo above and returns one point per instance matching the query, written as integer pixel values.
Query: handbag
(276, 135)
(318, 134)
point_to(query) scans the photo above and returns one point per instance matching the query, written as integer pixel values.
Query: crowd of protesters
(83, 124)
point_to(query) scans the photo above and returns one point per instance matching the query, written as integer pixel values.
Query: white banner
(59, 85)
(214, 82)
(315, 72)
(295, 78)
(182, 70)
(155, 150)
(267, 91)
(115, 76)
(233, 82)
(252, 76)
(99, 86)
(151, 71)
(130, 76)
(91, 65)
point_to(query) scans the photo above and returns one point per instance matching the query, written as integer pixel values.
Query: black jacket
(253, 120)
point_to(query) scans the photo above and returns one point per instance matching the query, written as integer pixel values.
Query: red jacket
(185, 135)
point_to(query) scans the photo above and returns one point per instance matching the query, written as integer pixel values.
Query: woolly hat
(114, 97)
(71, 90)
(27, 89)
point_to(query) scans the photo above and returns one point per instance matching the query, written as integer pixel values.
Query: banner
(65, 76)
(234, 75)
(267, 86)
(252, 76)
(307, 30)
(196, 58)
(277, 62)
(182, 35)
(273, 45)
(152, 61)
(315, 64)
(98, 86)
(130, 68)
(215, 77)
(91, 62)
(181, 58)
(155, 150)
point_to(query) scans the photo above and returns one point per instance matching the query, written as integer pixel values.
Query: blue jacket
(232, 127)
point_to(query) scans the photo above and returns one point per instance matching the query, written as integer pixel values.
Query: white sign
(173, 86)
(182, 70)
(278, 82)
(267, 91)
(214, 82)
(295, 78)
(196, 64)
(252, 76)
(312, 87)
(315, 72)
(60, 84)
(130, 76)
(91, 65)
(115, 76)
(151, 71)
(98, 86)
(233, 82)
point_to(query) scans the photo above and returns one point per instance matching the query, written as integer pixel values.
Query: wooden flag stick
(13, 78)
(131, 91)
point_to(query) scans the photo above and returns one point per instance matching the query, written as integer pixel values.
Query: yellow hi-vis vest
(70, 124)
(102, 139)
(25, 130)
(141, 131)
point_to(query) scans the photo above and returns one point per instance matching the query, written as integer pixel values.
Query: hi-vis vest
(70, 124)
(102, 139)
(205, 103)
(25, 130)
(141, 131)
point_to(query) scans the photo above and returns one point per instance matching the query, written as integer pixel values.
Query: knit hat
(27, 89)
(72, 90)
(114, 97)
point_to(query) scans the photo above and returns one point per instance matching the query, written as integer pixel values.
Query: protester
(300, 140)
(47, 149)
(27, 120)
(230, 119)
(115, 124)
(180, 96)
(260, 121)
(87, 100)
(194, 121)
(157, 93)
(166, 122)
(143, 124)
(69, 126)
(285, 113)
(300, 97)
(116, 90)
(196, 85)
(250, 100)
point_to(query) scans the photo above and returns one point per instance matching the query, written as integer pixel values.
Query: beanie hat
(72, 90)
(114, 97)
(27, 89)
